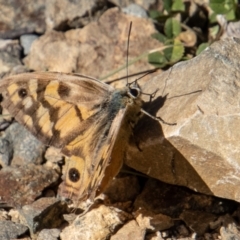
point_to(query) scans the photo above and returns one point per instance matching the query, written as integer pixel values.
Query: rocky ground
(179, 182)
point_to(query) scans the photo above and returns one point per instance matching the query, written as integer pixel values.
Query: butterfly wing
(53, 106)
(87, 119)
(68, 112)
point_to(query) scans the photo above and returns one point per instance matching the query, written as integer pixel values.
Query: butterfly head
(134, 90)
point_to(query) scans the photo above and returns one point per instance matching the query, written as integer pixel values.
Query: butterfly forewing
(52, 105)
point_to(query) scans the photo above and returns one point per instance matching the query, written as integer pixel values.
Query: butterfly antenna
(128, 41)
(147, 73)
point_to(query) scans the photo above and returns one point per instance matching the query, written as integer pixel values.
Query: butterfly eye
(22, 93)
(73, 174)
(134, 92)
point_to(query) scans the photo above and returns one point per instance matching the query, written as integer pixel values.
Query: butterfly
(90, 121)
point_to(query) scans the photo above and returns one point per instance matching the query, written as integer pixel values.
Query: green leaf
(167, 5)
(213, 31)
(175, 53)
(172, 28)
(212, 18)
(160, 37)
(222, 6)
(157, 59)
(154, 14)
(201, 47)
(230, 15)
(178, 5)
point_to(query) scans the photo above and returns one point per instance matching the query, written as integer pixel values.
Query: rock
(99, 223)
(104, 41)
(135, 10)
(227, 222)
(29, 18)
(70, 12)
(3, 214)
(26, 41)
(18, 146)
(53, 155)
(183, 231)
(160, 203)
(231, 231)
(49, 234)
(123, 189)
(146, 4)
(43, 213)
(10, 51)
(23, 184)
(202, 152)
(14, 214)
(153, 222)
(155, 199)
(197, 221)
(154, 236)
(10, 230)
(130, 230)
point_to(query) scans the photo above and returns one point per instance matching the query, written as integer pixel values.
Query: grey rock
(26, 41)
(10, 230)
(49, 234)
(43, 213)
(135, 10)
(19, 17)
(18, 146)
(10, 53)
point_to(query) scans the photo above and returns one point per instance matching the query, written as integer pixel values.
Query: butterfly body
(88, 120)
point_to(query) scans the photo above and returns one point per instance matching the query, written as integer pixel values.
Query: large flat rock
(202, 151)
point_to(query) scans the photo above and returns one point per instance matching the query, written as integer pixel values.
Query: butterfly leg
(157, 118)
(151, 95)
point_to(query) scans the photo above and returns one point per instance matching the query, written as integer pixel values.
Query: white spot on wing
(27, 102)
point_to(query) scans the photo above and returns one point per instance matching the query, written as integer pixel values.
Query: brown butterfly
(88, 120)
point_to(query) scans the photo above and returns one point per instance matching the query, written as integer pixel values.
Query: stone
(130, 230)
(99, 223)
(26, 41)
(154, 236)
(14, 215)
(183, 231)
(43, 213)
(154, 198)
(153, 222)
(18, 146)
(123, 189)
(135, 10)
(10, 230)
(70, 11)
(49, 234)
(231, 231)
(3, 214)
(97, 49)
(10, 51)
(23, 184)
(197, 221)
(145, 4)
(202, 152)
(158, 197)
(29, 18)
